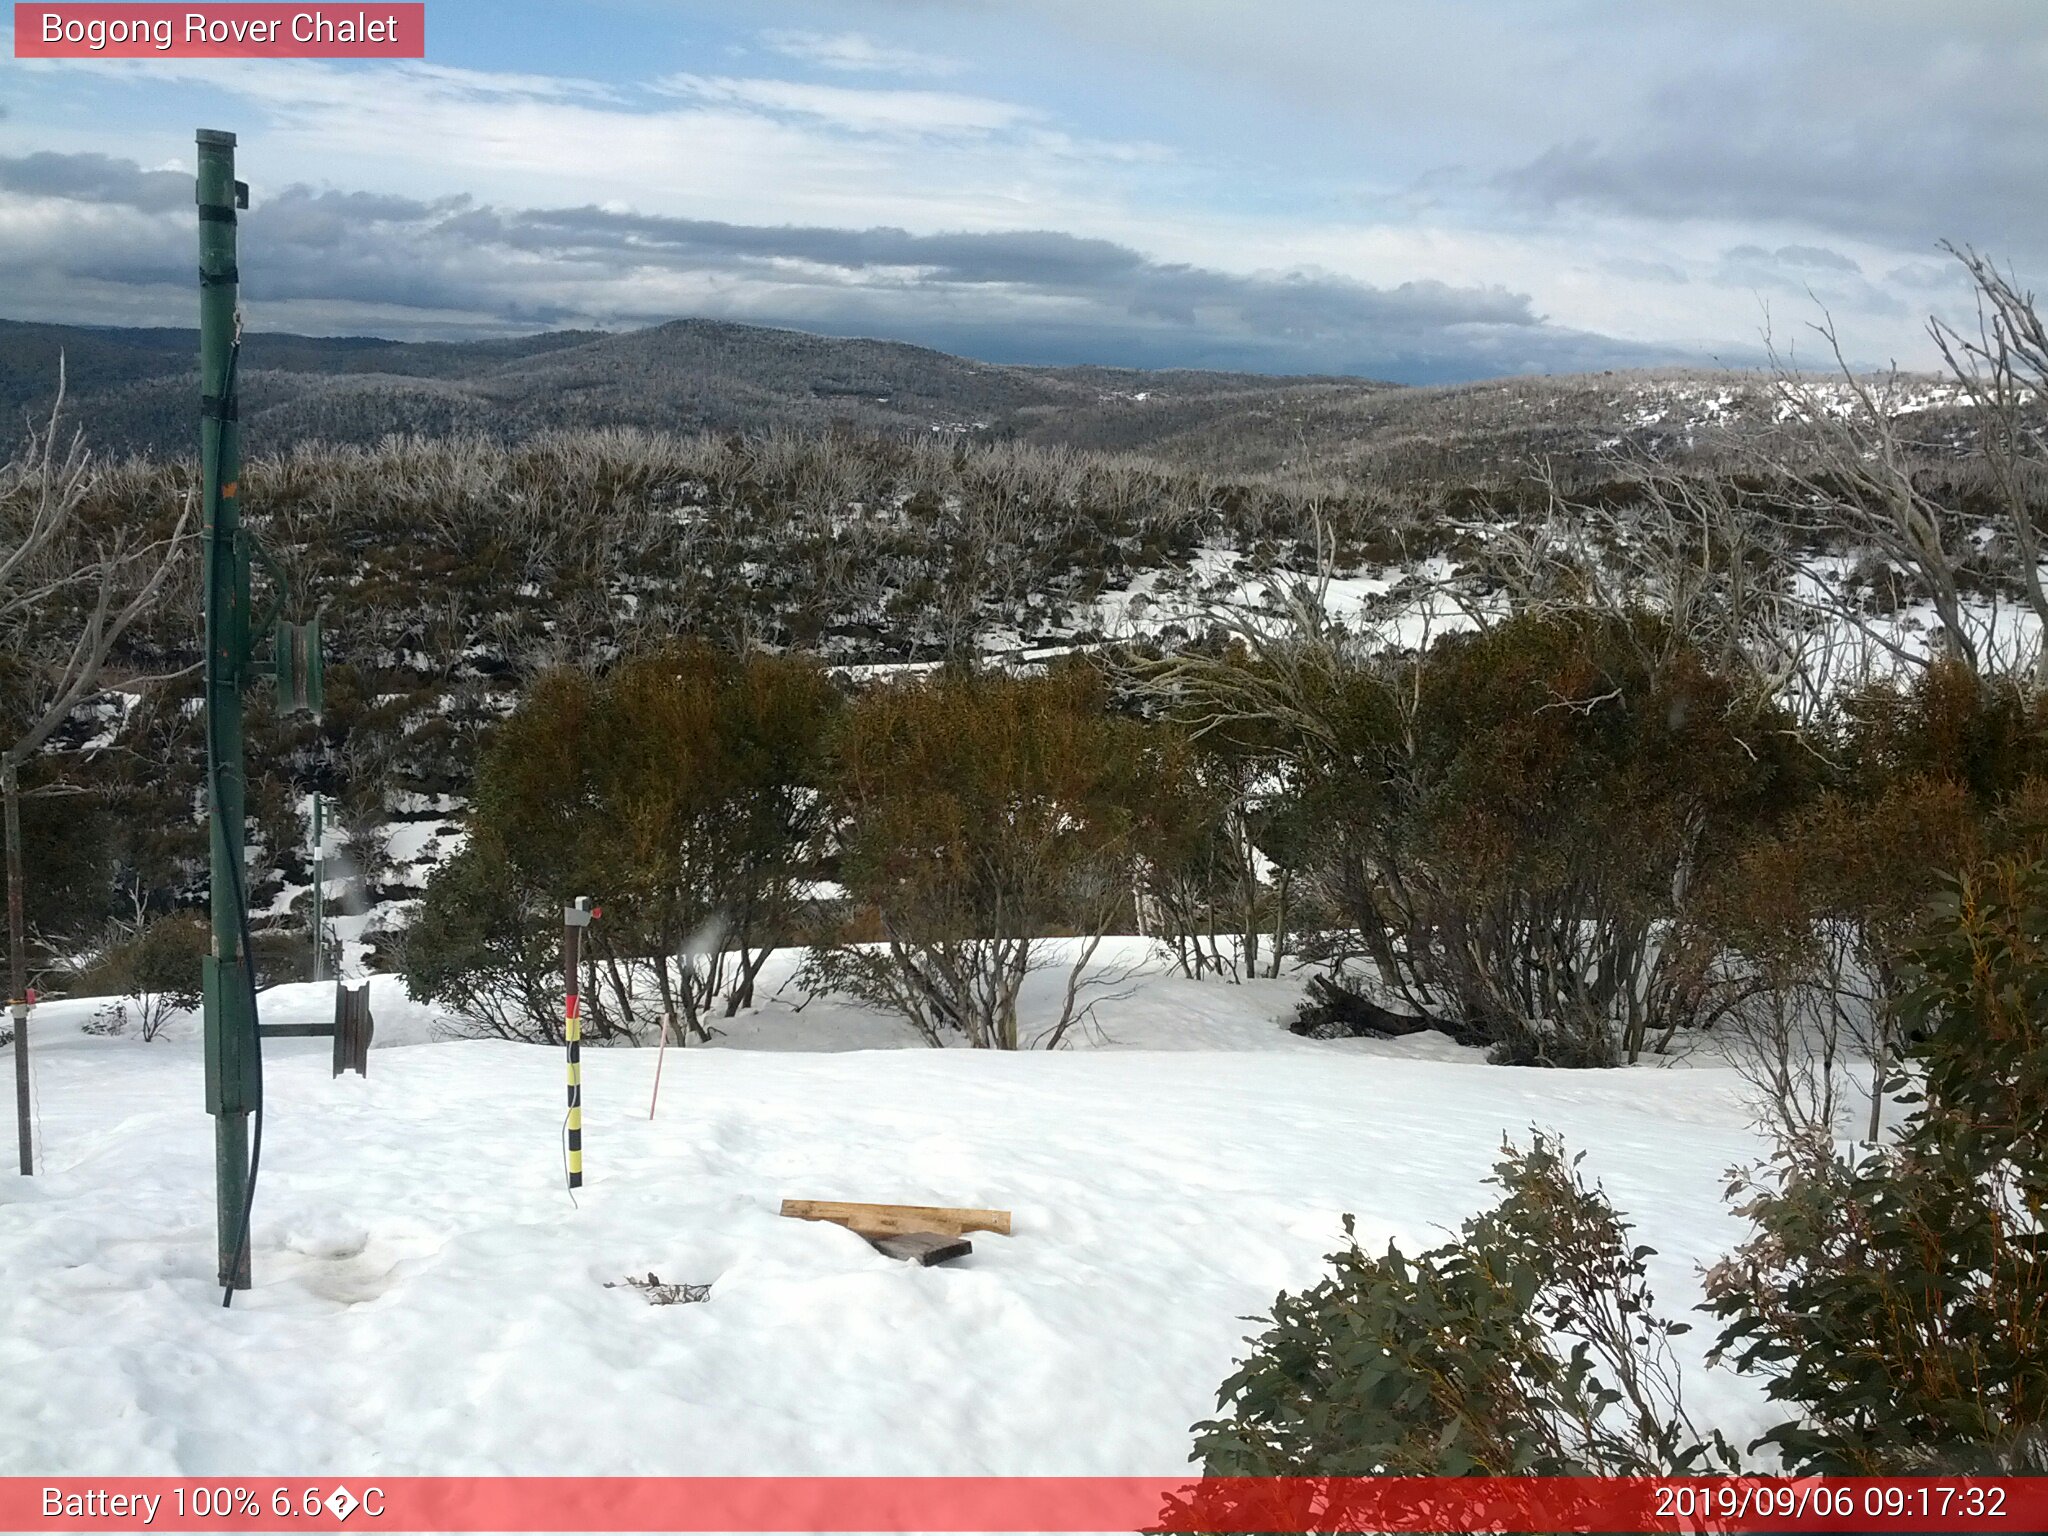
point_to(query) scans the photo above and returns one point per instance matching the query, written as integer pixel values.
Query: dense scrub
(452, 572)
(1567, 836)
(1577, 826)
(1897, 1298)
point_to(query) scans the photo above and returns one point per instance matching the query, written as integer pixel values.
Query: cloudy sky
(1414, 189)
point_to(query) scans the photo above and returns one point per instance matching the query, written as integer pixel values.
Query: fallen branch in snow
(660, 1293)
(1333, 1011)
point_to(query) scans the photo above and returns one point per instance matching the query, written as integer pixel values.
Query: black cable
(234, 868)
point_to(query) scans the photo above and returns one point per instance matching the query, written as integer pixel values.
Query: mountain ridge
(133, 391)
(132, 388)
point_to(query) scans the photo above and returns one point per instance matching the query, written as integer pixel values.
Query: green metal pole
(319, 898)
(230, 1022)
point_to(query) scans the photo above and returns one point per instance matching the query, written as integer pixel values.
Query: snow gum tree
(710, 773)
(1924, 777)
(981, 815)
(72, 584)
(681, 790)
(1513, 825)
(1220, 836)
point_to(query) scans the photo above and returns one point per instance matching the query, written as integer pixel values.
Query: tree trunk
(1880, 1063)
(17, 958)
(741, 994)
(750, 967)
(1280, 893)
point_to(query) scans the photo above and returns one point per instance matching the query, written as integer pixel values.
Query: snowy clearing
(429, 1301)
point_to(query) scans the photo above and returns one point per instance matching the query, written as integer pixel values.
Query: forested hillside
(133, 391)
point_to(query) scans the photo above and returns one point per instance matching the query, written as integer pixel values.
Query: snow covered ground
(429, 1299)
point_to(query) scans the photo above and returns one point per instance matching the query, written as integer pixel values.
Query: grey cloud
(91, 178)
(1760, 150)
(1896, 121)
(1816, 256)
(1013, 296)
(1807, 272)
(1928, 275)
(1023, 256)
(1798, 257)
(1303, 313)
(1045, 261)
(1803, 257)
(1647, 271)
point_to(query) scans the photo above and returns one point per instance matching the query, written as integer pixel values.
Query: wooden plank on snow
(891, 1220)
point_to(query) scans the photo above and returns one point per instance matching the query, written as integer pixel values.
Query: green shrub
(1530, 1345)
(487, 948)
(1515, 825)
(155, 972)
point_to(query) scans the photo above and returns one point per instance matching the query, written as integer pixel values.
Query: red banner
(1008, 1504)
(237, 31)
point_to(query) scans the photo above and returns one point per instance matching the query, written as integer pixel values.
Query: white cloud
(857, 109)
(855, 53)
(710, 147)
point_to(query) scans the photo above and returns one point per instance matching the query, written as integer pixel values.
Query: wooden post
(353, 1028)
(666, 1019)
(17, 963)
(319, 895)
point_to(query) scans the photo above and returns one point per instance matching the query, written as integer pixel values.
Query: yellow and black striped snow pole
(574, 920)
